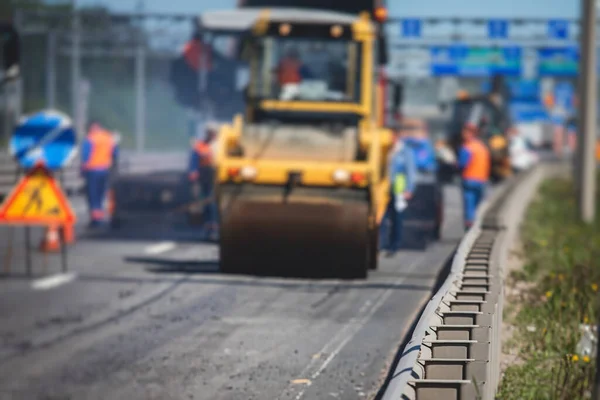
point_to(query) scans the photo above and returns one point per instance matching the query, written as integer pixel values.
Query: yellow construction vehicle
(302, 177)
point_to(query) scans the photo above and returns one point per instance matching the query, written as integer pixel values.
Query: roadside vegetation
(558, 293)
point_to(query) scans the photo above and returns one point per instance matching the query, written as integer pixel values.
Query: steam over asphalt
(170, 326)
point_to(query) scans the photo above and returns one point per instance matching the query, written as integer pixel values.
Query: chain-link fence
(115, 70)
(119, 70)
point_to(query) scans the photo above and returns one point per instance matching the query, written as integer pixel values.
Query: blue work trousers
(473, 193)
(207, 183)
(390, 230)
(96, 183)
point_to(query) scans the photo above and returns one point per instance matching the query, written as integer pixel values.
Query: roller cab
(301, 176)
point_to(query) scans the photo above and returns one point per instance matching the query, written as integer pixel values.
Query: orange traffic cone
(51, 240)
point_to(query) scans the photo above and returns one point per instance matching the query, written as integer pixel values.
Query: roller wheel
(230, 261)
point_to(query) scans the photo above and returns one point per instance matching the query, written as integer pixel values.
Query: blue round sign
(46, 138)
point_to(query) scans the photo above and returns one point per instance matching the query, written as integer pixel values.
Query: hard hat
(462, 94)
(472, 126)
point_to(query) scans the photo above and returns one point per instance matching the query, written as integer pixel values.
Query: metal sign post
(140, 96)
(588, 100)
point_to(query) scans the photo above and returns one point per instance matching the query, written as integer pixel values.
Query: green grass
(562, 257)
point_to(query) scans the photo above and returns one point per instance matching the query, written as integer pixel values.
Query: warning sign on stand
(37, 200)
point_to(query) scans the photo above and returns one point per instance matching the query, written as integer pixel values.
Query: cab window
(305, 69)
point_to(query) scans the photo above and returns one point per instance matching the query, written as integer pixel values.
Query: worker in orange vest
(474, 161)
(197, 54)
(291, 69)
(99, 154)
(288, 69)
(202, 170)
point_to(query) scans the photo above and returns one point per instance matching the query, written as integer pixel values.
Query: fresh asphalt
(145, 314)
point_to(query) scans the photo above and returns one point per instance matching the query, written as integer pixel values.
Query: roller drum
(302, 238)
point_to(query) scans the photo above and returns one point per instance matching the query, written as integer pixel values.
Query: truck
(302, 178)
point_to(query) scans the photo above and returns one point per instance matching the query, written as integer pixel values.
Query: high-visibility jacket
(402, 168)
(289, 71)
(203, 152)
(475, 161)
(197, 55)
(99, 150)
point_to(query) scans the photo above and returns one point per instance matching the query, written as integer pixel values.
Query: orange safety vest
(288, 72)
(193, 51)
(479, 165)
(549, 100)
(204, 152)
(103, 145)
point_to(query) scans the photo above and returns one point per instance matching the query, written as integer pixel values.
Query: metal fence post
(51, 70)
(19, 85)
(140, 96)
(76, 71)
(83, 100)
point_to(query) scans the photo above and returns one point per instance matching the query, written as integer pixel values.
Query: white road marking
(52, 281)
(160, 248)
(346, 334)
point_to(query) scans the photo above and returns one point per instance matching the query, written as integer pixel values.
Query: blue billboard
(466, 61)
(559, 61)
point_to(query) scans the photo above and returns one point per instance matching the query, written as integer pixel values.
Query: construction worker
(402, 171)
(428, 191)
(417, 137)
(563, 107)
(288, 69)
(475, 163)
(197, 54)
(291, 70)
(99, 155)
(201, 170)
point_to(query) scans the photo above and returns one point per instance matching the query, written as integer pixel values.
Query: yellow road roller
(302, 181)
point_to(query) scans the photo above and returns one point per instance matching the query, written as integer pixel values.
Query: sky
(397, 8)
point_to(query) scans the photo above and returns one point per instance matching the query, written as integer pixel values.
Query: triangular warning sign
(37, 200)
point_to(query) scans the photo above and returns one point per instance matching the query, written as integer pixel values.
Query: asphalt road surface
(147, 315)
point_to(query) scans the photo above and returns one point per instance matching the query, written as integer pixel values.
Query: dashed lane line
(158, 248)
(52, 281)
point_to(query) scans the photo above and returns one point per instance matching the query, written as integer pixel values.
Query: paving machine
(302, 179)
(493, 121)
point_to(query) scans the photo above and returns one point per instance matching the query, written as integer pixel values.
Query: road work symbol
(37, 200)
